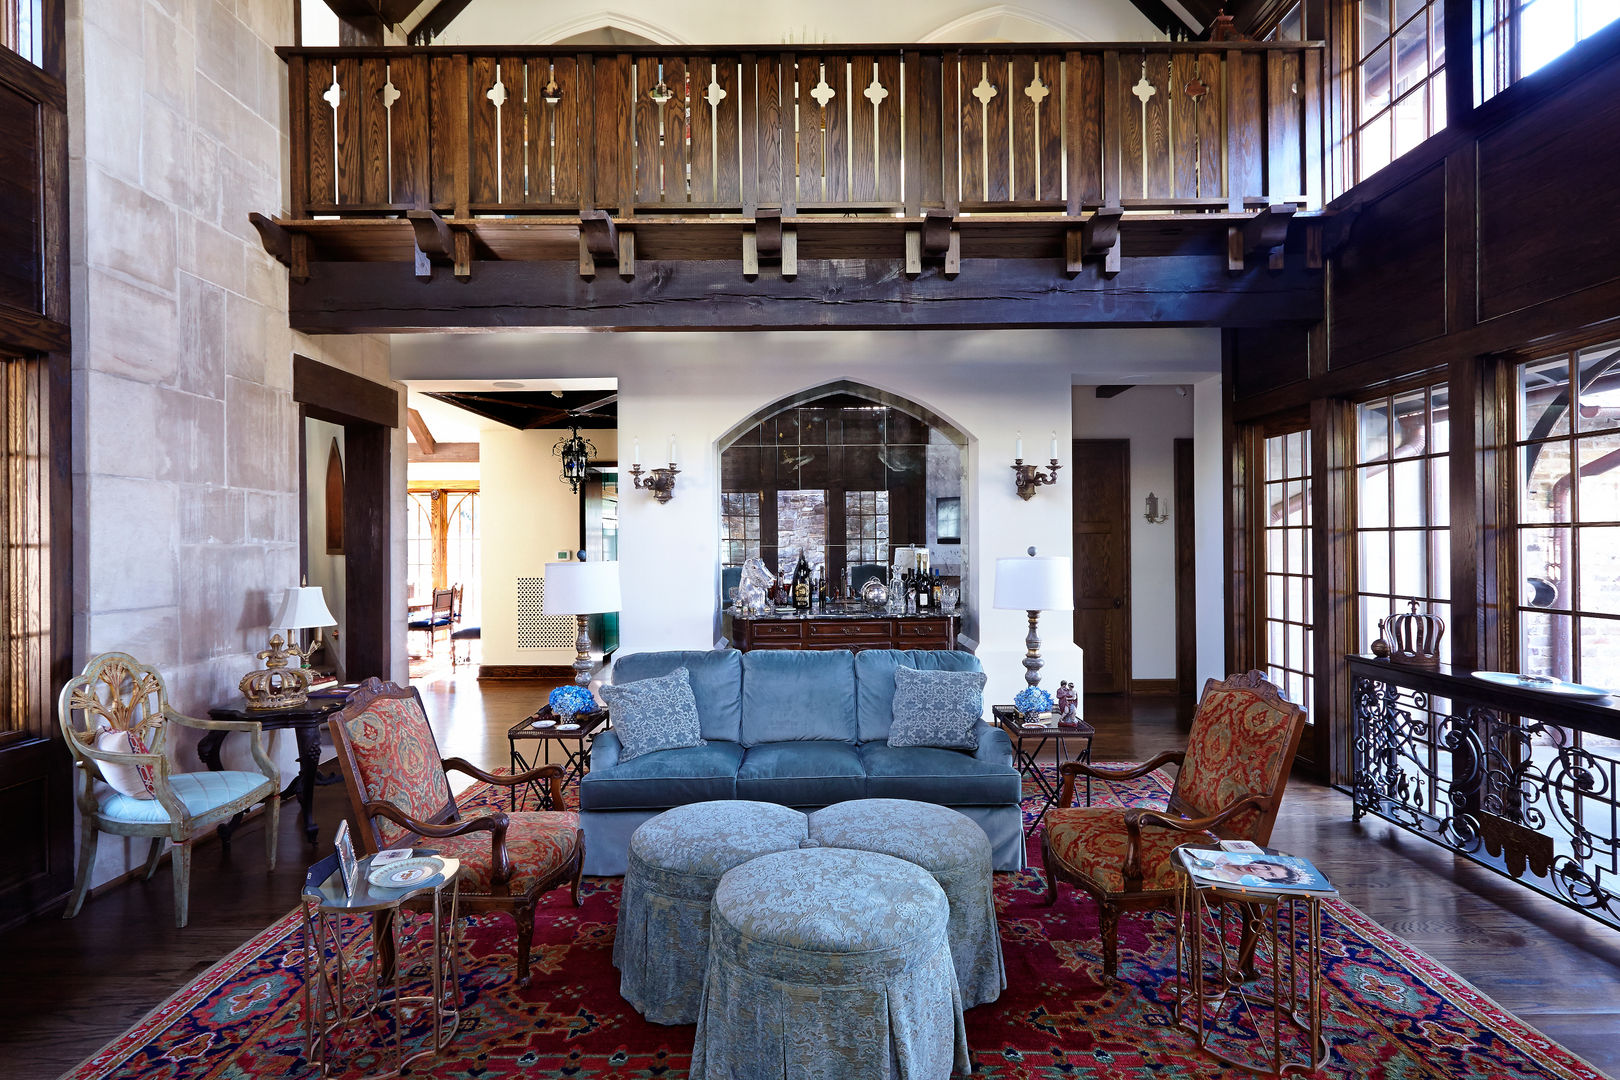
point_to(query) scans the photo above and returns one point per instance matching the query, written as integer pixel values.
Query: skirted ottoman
(950, 846)
(676, 860)
(833, 964)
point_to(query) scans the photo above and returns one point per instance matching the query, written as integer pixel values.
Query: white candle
(1054, 446)
(672, 449)
(1019, 451)
(635, 458)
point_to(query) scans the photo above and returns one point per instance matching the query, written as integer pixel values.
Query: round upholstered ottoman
(832, 964)
(676, 860)
(950, 846)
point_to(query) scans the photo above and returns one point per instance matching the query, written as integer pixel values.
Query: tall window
(25, 581)
(1286, 527)
(419, 544)
(1291, 27)
(1403, 503)
(1402, 78)
(866, 527)
(19, 28)
(739, 523)
(442, 543)
(1522, 36)
(1569, 515)
(461, 536)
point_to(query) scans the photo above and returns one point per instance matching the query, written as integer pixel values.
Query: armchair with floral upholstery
(116, 718)
(1229, 785)
(401, 798)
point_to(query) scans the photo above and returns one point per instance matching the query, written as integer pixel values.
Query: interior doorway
(1102, 562)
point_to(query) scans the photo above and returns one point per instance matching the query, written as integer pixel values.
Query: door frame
(1183, 522)
(1125, 558)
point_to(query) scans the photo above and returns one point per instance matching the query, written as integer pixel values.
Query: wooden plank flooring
(69, 986)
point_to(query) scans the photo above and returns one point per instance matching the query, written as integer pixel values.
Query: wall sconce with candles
(1027, 478)
(1154, 515)
(661, 482)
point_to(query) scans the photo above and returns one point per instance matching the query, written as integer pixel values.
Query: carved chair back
(1243, 740)
(444, 605)
(455, 606)
(114, 691)
(387, 751)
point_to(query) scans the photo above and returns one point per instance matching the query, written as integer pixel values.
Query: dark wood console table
(305, 722)
(837, 631)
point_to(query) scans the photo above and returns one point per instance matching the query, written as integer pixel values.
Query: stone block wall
(186, 434)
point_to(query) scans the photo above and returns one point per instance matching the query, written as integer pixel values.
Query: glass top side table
(337, 1000)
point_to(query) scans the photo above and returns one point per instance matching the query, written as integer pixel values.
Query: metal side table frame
(330, 982)
(575, 758)
(1027, 761)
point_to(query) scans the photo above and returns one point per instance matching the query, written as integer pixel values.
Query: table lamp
(580, 589)
(1034, 583)
(277, 686)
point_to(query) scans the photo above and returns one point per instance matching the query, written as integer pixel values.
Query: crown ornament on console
(1414, 637)
(277, 686)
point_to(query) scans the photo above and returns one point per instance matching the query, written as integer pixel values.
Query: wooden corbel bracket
(938, 238)
(768, 240)
(290, 249)
(1265, 231)
(1097, 235)
(601, 241)
(437, 241)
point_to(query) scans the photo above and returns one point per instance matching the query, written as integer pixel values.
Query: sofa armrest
(994, 745)
(605, 750)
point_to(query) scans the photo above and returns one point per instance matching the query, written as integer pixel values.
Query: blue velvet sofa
(801, 729)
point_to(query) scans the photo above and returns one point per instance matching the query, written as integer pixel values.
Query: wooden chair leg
(180, 863)
(272, 831)
(524, 914)
(154, 852)
(1051, 873)
(87, 860)
(1109, 915)
(382, 940)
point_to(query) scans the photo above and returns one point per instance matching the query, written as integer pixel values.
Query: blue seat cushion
(801, 773)
(199, 792)
(716, 677)
(790, 695)
(467, 633)
(874, 682)
(664, 778)
(928, 774)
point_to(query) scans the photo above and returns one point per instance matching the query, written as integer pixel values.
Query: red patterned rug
(1389, 1012)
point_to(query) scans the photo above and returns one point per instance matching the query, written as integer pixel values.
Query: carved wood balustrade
(879, 130)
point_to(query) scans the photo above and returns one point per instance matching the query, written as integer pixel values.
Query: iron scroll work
(1519, 782)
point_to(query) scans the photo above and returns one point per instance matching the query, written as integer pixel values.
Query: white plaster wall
(1209, 496)
(697, 385)
(185, 431)
(486, 22)
(1152, 418)
(528, 516)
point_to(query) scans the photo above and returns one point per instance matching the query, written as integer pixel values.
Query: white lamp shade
(303, 608)
(581, 588)
(1035, 583)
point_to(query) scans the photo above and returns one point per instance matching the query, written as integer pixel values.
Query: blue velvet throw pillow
(654, 714)
(937, 708)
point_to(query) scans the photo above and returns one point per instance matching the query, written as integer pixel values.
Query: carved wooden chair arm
(255, 733)
(554, 773)
(494, 822)
(1071, 769)
(1136, 817)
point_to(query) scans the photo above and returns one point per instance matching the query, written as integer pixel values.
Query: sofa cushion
(926, 774)
(716, 684)
(791, 696)
(874, 680)
(801, 773)
(942, 709)
(654, 714)
(663, 778)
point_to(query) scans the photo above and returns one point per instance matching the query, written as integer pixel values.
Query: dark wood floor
(69, 986)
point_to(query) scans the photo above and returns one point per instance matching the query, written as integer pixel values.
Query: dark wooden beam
(332, 394)
(1166, 290)
(419, 431)
(33, 332)
(455, 452)
(437, 20)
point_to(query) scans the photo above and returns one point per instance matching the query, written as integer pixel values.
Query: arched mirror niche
(848, 474)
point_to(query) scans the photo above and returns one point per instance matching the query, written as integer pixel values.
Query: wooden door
(1102, 562)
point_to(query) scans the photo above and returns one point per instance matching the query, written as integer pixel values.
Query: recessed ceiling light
(508, 384)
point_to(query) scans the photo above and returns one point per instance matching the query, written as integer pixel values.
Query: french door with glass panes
(1285, 637)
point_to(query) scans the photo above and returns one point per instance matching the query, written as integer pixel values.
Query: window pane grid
(1288, 637)
(739, 522)
(1400, 77)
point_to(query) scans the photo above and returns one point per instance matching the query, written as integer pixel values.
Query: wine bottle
(924, 593)
(936, 586)
(801, 584)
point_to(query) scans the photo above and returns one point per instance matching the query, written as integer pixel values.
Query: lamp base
(1032, 651)
(582, 659)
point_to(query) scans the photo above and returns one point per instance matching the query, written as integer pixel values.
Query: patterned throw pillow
(654, 714)
(136, 781)
(937, 708)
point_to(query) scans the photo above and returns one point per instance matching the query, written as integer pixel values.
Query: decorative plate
(547, 722)
(567, 727)
(405, 873)
(1542, 683)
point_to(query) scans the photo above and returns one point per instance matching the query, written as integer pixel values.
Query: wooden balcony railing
(880, 129)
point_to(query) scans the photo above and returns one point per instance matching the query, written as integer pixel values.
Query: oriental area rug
(1388, 1010)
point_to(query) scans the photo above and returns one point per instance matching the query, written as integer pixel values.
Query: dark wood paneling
(330, 391)
(1389, 283)
(20, 196)
(1267, 358)
(1102, 562)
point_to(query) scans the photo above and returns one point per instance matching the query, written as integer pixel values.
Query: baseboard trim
(1150, 687)
(525, 671)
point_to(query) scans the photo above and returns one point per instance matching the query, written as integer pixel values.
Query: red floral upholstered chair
(1229, 784)
(402, 798)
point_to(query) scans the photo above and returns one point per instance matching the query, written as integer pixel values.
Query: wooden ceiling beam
(419, 432)
(436, 21)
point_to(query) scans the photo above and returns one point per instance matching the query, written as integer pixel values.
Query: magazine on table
(1255, 871)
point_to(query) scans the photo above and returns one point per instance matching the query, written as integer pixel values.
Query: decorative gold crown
(1414, 637)
(276, 686)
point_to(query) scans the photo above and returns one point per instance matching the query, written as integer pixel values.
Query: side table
(304, 721)
(542, 727)
(330, 974)
(1283, 927)
(1072, 743)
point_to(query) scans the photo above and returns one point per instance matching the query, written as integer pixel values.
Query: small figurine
(1067, 702)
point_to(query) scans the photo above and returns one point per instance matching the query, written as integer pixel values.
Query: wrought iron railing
(1517, 780)
(532, 131)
